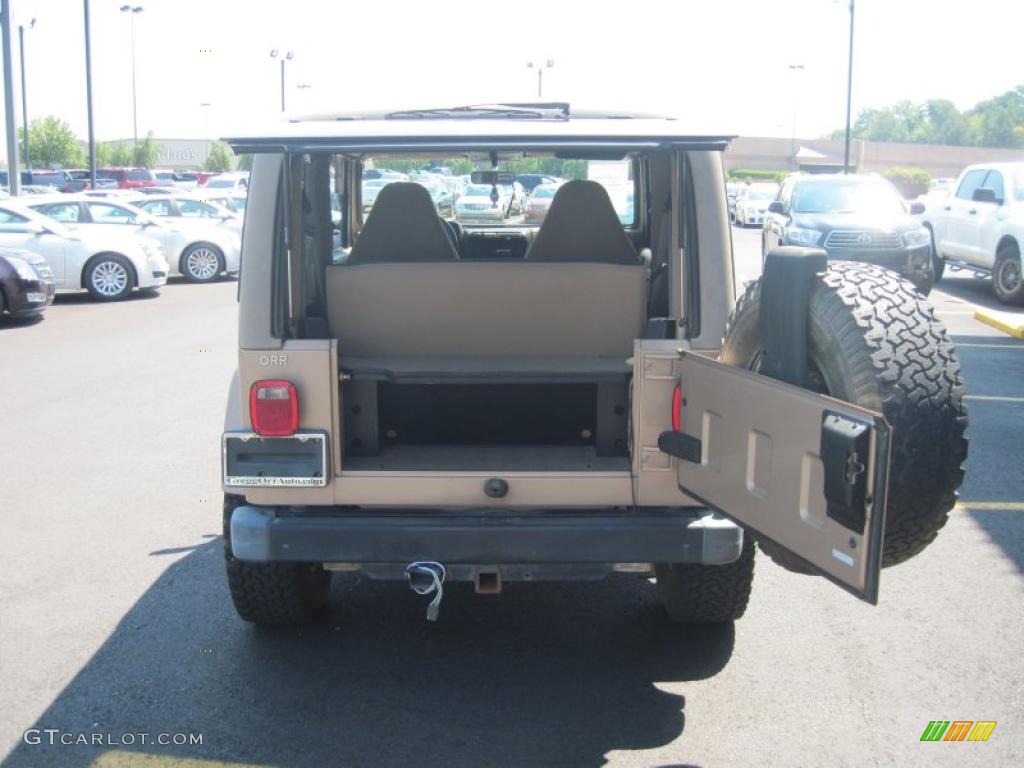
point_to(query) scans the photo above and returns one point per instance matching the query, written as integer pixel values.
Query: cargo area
(478, 426)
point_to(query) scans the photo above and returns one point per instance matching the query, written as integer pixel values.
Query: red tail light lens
(274, 408)
(677, 408)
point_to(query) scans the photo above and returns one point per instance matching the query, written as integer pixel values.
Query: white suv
(981, 227)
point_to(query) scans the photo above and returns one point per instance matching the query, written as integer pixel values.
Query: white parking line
(995, 398)
(988, 346)
(1012, 506)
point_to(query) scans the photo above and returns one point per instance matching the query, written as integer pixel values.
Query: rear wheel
(274, 594)
(875, 341)
(108, 277)
(702, 594)
(1007, 281)
(202, 263)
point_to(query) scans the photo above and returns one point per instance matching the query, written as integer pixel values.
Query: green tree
(145, 152)
(219, 157)
(52, 143)
(245, 162)
(120, 154)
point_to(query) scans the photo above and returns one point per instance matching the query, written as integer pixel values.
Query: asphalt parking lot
(115, 616)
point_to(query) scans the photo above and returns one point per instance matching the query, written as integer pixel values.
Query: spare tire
(875, 341)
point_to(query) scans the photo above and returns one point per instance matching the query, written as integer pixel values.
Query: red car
(128, 178)
(540, 201)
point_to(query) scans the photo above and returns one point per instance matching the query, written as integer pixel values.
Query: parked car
(531, 181)
(26, 283)
(981, 227)
(442, 198)
(371, 188)
(476, 206)
(222, 198)
(106, 264)
(233, 182)
(200, 253)
(128, 178)
(751, 203)
(854, 218)
(539, 202)
(59, 180)
(455, 185)
(84, 175)
(187, 212)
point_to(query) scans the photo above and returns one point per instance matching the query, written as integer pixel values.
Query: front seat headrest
(403, 225)
(581, 225)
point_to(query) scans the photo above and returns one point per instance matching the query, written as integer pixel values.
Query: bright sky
(714, 62)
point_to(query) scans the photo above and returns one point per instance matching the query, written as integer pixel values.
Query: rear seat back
(486, 309)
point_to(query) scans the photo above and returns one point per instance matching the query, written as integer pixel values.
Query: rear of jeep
(421, 400)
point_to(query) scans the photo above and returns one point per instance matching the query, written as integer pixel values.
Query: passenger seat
(403, 226)
(581, 225)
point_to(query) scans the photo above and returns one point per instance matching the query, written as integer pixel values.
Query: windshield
(762, 193)
(140, 175)
(1018, 186)
(847, 196)
(456, 197)
(220, 183)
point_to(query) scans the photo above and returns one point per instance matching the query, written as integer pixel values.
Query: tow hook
(424, 577)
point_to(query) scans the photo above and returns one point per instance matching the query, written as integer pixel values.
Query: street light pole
(849, 95)
(285, 57)
(24, 96)
(13, 179)
(540, 74)
(794, 68)
(88, 98)
(132, 10)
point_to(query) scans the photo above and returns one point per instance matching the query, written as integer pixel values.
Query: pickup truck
(981, 227)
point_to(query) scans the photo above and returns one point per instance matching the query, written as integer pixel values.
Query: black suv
(854, 218)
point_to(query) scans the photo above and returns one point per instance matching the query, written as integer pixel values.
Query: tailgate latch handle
(680, 445)
(845, 443)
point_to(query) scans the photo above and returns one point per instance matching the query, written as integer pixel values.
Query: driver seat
(403, 226)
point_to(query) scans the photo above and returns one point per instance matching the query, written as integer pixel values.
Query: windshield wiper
(558, 112)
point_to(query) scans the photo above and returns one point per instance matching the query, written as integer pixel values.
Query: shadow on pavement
(1006, 530)
(977, 290)
(18, 323)
(142, 294)
(545, 674)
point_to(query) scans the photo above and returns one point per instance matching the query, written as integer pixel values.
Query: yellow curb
(1003, 321)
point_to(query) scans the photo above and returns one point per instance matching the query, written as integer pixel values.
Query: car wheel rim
(1009, 276)
(109, 278)
(202, 263)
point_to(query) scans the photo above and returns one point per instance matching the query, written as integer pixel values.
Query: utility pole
(849, 95)
(13, 178)
(24, 91)
(88, 97)
(794, 68)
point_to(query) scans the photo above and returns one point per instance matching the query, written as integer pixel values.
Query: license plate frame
(249, 460)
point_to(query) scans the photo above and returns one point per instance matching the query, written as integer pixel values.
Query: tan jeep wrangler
(512, 399)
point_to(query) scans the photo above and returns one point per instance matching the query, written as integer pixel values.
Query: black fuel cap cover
(496, 488)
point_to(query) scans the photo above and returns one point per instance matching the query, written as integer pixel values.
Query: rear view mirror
(492, 177)
(985, 195)
(775, 206)
(916, 209)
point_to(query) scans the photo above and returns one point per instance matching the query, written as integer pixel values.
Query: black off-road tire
(1007, 278)
(274, 594)
(875, 341)
(705, 594)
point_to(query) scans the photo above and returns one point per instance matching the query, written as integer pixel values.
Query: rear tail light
(677, 408)
(274, 408)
